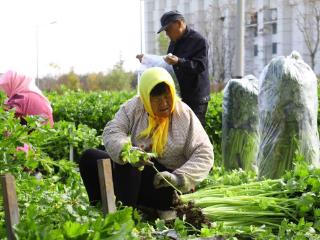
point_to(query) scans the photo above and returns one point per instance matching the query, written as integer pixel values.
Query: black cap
(168, 18)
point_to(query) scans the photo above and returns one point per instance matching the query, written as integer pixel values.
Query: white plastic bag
(149, 60)
(288, 108)
(240, 124)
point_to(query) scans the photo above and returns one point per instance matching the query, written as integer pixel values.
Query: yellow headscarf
(157, 127)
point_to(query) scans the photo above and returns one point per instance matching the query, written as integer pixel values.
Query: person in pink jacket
(25, 96)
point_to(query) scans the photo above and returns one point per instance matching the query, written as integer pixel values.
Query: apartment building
(271, 26)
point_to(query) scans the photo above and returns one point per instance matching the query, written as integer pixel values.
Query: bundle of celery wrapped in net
(288, 107)
(240, 123)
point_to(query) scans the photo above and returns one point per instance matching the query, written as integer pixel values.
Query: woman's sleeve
(199, 152)
(116, 134)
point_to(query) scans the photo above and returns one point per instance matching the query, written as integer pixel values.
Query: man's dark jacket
(192, 69)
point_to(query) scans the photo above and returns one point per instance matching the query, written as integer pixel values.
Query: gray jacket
(188, 151)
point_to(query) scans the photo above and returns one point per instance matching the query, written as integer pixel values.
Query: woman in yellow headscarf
(157, 121)
(158, 106)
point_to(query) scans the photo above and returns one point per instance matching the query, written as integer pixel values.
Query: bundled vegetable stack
(267, 203)
(288, 106)
(240, 123)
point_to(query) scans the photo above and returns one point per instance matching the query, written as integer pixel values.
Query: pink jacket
(25, 96)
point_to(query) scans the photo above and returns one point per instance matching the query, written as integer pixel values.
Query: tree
(93, 81)
(221, 41)
(48, 82)
(117, 79)
(70, 80)
(114, 80)
(163, 43)
(309, 25)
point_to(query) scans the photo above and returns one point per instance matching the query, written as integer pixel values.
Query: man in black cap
(188, 54)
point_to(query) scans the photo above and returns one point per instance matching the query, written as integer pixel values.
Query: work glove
(175, 180)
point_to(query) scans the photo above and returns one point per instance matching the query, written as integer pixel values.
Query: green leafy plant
(135, 155)
(214, 125)
(53, 203)
(93, 109)
(277, 204)
(56, 141)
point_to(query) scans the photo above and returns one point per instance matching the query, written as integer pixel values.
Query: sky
(86, 35)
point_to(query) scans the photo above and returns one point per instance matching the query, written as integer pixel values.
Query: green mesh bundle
(240, 123)
(288, 107)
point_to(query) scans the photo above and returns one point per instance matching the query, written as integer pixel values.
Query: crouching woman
(154, 121)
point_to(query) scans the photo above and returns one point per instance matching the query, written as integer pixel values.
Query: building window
(255, 50)
(270, 15)
(274, 48)
(274, 28)
(254, 18)
(255, 31)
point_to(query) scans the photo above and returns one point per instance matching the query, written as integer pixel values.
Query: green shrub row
(95, 109)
